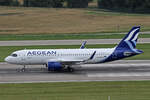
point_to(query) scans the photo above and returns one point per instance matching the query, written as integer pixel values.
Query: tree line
(47, 3)
(126, 5)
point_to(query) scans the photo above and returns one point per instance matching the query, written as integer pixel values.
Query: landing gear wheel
(23, 69)
(46, 66)
(69, 69)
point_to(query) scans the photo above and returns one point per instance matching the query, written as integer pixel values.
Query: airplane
(61, 59)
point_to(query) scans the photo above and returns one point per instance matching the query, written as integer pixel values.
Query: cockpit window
(14, 55)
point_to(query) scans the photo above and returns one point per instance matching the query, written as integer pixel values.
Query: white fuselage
(42, 56)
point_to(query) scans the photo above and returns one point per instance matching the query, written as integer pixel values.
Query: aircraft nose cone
(6, 59)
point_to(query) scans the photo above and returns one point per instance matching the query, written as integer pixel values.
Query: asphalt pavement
(123, 70)
(66, 42)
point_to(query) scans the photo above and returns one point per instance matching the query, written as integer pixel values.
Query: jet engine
(54, 66)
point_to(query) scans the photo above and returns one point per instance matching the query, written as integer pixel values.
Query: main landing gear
(69, 69)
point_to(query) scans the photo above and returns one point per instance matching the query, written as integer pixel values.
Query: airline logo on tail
(133, 34)
(132, 37)
(130, 40)
(127, 47)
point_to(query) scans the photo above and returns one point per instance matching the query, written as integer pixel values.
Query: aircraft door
(23, 60)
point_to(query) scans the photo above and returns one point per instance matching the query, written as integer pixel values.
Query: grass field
(64, 36)
(6, 50)
(22, 20)
(133, 90)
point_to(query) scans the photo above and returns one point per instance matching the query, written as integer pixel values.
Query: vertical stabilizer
(130, 40)
(127, 46)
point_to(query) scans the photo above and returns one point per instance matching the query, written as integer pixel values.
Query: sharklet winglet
(83, 45)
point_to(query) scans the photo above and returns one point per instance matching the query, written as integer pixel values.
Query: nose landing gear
(23, 69)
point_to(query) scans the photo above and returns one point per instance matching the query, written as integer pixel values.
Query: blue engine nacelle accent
(54, 66)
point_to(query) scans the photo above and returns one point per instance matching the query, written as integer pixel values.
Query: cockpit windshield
(14, 55)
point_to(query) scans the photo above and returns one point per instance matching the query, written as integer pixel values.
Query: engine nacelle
(54, 66)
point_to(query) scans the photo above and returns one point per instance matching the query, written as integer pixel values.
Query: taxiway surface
(66, 42)
(115, 71)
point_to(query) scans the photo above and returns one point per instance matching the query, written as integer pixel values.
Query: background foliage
(127, 5)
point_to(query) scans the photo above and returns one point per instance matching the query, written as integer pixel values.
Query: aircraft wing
(66, 61)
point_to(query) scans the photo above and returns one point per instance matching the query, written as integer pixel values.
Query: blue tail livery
(130, 40)
(127, 46)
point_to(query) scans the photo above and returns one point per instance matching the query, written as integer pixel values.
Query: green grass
(7, 50)
(65, 36)
(132, 90)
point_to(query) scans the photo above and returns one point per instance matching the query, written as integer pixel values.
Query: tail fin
(127, 46)
(130, 40)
